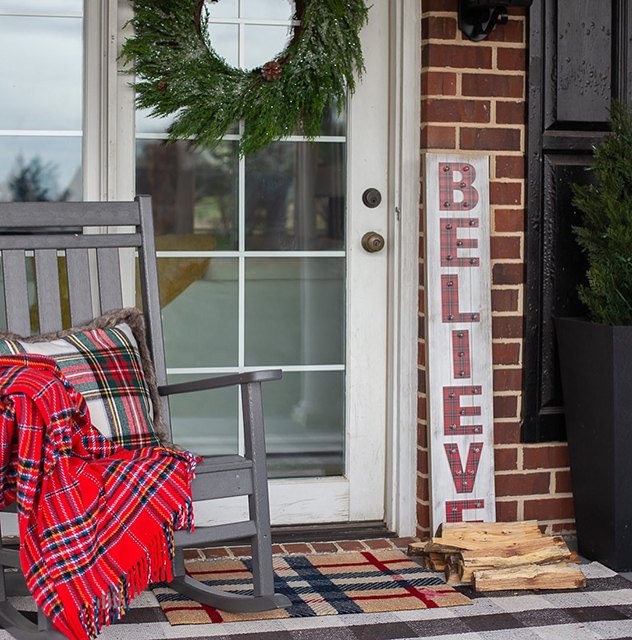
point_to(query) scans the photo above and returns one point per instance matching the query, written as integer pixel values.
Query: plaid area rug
(318, 585)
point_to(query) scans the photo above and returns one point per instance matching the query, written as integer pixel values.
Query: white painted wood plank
(451, 499)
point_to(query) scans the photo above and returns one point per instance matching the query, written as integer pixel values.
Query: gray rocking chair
(44, 229)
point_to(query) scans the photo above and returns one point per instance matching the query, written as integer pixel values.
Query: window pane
(42, 73)
(48, 6)
(269, 9)
(225, 42)
(295, 311)
(39, 168)
(295, 197)
(304, 415)
(199, 297)
(264, 43)
(223, 9)
(205, 422)
(145, 123)
(194, 193)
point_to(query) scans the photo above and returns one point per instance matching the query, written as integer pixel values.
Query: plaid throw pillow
(104, 365)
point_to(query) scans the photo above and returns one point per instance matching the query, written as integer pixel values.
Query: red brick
(505, 192)
(192, 554)
(563, 482)
(440, 28)
(507, 379)
(511, 59)
(423, 516)
(510, 32)
(421, 353)
(508, 273)
(278, 549)
(422, 436)
(421, 381)
(506, 352)
(488, 139)
(547, 457)
(505, 406)
(505, 247)
(422, 413)
(402, 543)
(509, 166)
(297, 547)
(509, 327)
(351, 545)
(324, 547)
(469, 56)
(438, 137)
(423, 490)
(506, 433)
(440, 5)
(504, 300)
(523, 484)
(505, 459)
(241, 551)
(510, 113)
(439, 83)
(218, 552)
(379, 543)
(549, 509)
(436, 110)
(506, 511)
(422, 461)
(509, 220)
(492, 85)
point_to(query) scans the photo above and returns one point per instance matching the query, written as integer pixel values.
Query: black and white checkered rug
(601, 611)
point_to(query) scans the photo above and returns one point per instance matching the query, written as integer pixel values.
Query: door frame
(109, 116)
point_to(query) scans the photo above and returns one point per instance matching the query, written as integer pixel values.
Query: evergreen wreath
(178, 72)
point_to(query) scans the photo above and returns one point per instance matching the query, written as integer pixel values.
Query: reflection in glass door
(252, 266)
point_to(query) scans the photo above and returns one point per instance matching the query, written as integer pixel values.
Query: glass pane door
(252, 266)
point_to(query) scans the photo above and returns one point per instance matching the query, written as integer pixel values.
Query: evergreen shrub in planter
(596, 356)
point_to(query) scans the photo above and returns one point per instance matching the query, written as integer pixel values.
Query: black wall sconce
(478, 18)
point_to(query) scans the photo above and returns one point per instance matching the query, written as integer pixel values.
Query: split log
(452, 569)
(545, 550)
(553, 576)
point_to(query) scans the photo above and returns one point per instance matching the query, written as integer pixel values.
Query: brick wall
(473, 100)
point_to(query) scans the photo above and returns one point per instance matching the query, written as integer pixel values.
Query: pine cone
(162, 85)
(271, 71)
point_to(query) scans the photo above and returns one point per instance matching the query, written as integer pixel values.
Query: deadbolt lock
(372, 242)
(372, 198)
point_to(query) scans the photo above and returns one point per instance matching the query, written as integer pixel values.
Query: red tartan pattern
(450, 302)
(96, 520)
(461, 354)
(454, 508)
(448, 186)
(464, 478)
(451, 243)
(453, 411)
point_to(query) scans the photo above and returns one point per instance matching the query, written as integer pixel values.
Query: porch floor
(601, 611)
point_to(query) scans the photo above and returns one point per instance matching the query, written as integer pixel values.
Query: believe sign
(459, 341)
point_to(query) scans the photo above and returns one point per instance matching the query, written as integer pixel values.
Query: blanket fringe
(156, 566)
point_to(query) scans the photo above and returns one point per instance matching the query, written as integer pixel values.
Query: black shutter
(579, 54)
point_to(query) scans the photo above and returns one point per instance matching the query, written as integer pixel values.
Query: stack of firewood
(499, 556)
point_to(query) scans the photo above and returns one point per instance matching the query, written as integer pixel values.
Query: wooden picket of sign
(459, 340)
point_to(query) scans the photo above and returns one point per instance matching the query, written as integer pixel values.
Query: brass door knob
(372, 242)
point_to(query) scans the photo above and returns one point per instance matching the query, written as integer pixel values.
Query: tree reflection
(35, 181)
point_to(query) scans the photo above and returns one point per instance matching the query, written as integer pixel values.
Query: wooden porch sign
(459, 342)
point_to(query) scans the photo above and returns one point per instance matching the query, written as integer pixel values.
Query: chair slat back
(16, 291)
(54, 235)
(48, 296)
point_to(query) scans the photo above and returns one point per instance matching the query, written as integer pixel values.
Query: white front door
(262, 266)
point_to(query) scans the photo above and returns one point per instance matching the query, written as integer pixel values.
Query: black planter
(596, 368)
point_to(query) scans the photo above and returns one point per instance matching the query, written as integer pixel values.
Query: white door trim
(404, 165)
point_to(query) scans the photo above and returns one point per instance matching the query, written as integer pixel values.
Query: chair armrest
(221, 381)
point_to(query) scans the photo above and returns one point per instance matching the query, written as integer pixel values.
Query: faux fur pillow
(108, 362)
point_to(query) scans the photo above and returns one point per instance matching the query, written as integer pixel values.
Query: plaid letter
(448, 186)
(453, 411)
(464, 479)
(450, 244)
(454, 508)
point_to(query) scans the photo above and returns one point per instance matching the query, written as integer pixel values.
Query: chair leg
(264, 597)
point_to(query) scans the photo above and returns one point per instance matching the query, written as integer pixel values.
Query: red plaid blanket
(96, 521)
